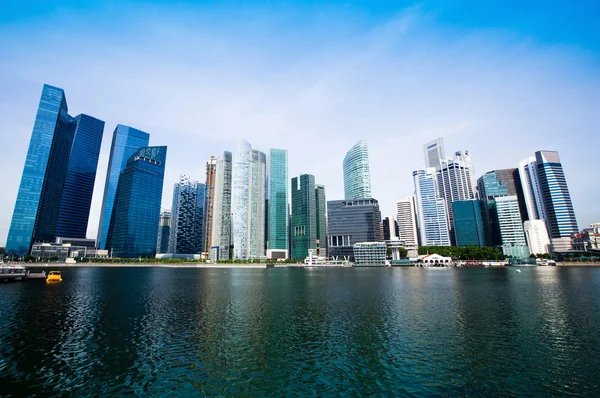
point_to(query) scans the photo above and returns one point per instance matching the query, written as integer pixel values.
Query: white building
(221, 222)
(369, 254)
(407, 220)
(511, 229)
(434, 153)
(248, 202)
(431, 211)
(537, 236)
(531, 188)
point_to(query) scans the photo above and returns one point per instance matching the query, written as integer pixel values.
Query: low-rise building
(432, 260)
(369, 254)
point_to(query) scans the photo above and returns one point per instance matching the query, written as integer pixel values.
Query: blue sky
(501, 79)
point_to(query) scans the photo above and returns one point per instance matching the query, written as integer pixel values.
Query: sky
(501, 79)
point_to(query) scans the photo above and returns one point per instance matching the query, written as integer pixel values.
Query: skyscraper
(511, 227)
(532, 195)
(164, 229)
(357, 178)
(187, 217)
(125, 142)
(248, 202)
(321, 208)
(431, 211)
(49, 158)
(434, 153)
(211, 166)
(560, 216)
(304, 215)
(136, 209)
(468, 222)
(278, 204)
(221, 224)
(407, 222)
(81, 176)
(537, 236)
(350, 222)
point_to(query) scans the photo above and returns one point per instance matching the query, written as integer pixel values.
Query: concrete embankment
(120, 265)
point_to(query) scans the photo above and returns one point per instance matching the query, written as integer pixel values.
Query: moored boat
(10, 272)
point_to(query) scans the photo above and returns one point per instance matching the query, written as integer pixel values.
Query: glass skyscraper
(221, 225)
(434, 153)
(187, 217)
(125, 142)
(81, 176)
(49, 157)
(468, 223)
(432, 216)
(278, 200)
(511, 227)
(321, 207)
(357, 177)
(136, 210)
(558, 208)
(164, 230)
(304, 215)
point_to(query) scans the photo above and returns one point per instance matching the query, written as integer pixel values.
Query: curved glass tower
(357, 177)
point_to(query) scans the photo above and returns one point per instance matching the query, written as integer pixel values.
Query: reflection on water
(403, 331)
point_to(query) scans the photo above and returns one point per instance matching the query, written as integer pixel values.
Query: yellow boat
(53, 276)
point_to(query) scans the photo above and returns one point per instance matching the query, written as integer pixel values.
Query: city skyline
(556, 86)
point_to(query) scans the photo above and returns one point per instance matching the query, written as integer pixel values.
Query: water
(274, 332)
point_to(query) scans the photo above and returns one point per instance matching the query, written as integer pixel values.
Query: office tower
(537, 236)
(357, 178)
(456, 182)
(81, 176)
(431, 210)
(350, 222)
(125, 142)
(560, 216)
(434, 153)
(468, 223)
(187, 217)
(389, 228)
(493, 184)
(278, 204)
(164, 229)
(52, 160)
(532, 195)
(211, 166)
(511, 227)
(407, 221)
(221, 225)
(321, 208)
(304, 215)
(136, 209)
(248, 202)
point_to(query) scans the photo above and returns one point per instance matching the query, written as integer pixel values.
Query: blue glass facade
(468, 223)
(136, 210)
(40, 192)
(81, 176)
(560, 216)
(278, 199)
(126, 141)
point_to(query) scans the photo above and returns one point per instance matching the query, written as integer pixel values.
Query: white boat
(12, 272)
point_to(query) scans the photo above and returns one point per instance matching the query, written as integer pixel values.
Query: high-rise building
(456, 182)
(125, 142)
(559, 213)
(211, 167)
(532, 195)
(321, 208)
(434, 153)
(278, 204)
(357, 177)
(304, 215)
(493, 184)
(468, 223)
(164, 229)
(432, 216)
(81, 176)
(248, 202)
(221, 225)
(389, 228)
(187, 217)
(511, 227)
(407, 221)
(52, 160)
(350, 222)
(136, 209)
(537, 236)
